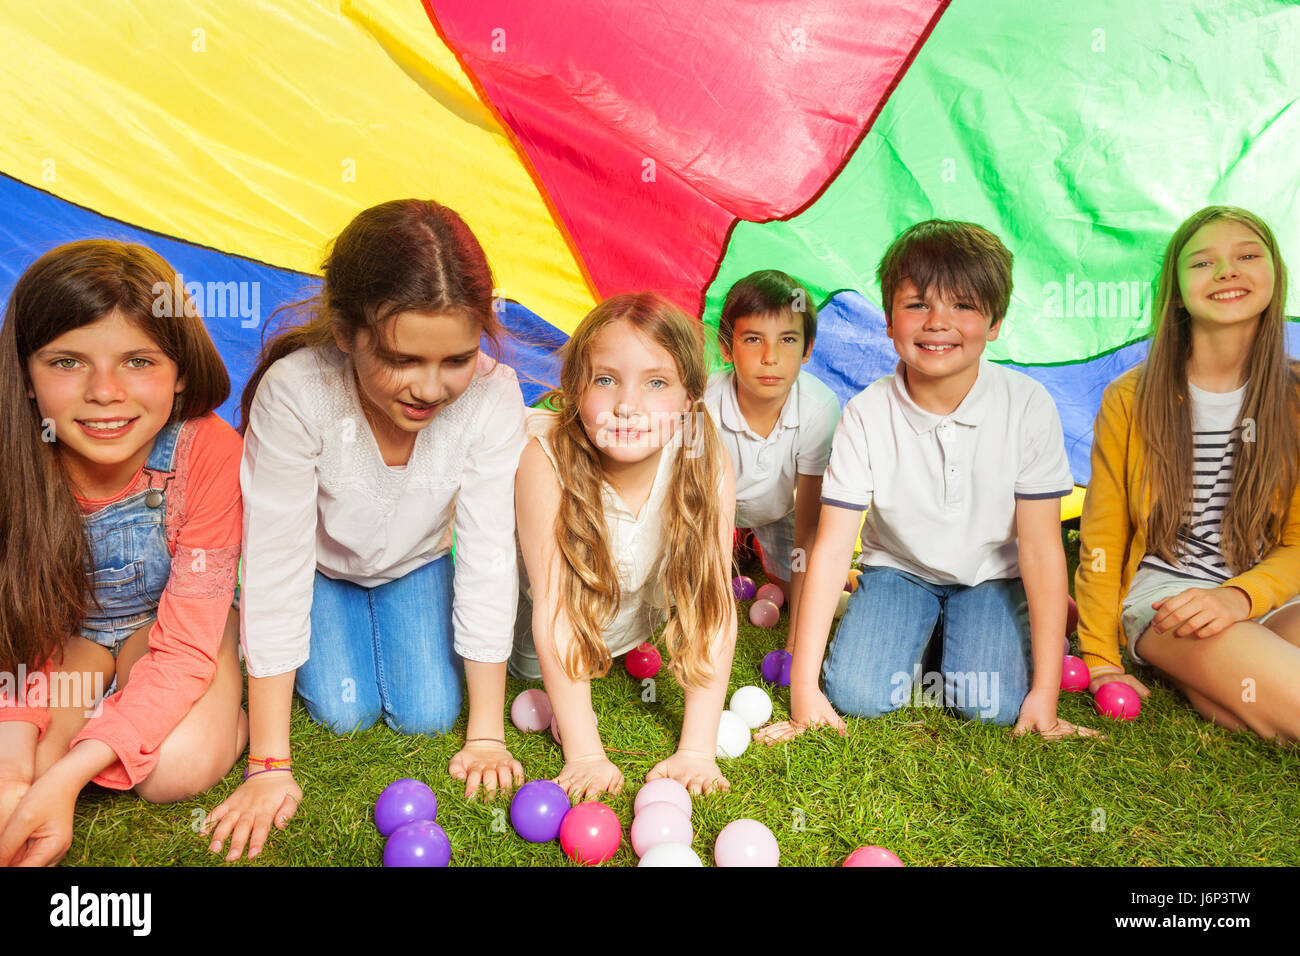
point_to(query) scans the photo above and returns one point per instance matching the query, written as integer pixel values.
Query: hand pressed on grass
(698, 772)
(1038, 715)
(486, 763)
(247, 814)
(585, 778)
(39, 830)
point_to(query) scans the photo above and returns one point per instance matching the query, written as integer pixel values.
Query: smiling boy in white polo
(962, 464)
(775, 420)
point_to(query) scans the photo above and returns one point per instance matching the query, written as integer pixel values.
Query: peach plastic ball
(663, 790)
(771, 592)
(764, 614)
(658, 823)
(746, 842)
(531, 711)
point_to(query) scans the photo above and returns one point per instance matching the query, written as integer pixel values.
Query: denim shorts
(128, 552)
(1153, 584)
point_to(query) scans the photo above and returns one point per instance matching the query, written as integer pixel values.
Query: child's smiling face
(1225, 274)
(767, 351)
(635, 399)
(108, 389)
(938, 337)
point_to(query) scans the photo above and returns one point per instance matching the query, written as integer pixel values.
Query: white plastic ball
(752, 705)
(670, 854)
(733, 735)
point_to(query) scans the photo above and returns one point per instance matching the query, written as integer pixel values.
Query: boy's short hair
(768, 292)
(960, 258)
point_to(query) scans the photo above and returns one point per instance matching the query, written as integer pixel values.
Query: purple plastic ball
(743, 587)
(776, 668)
(422, 843)
(404, 801)
(538, 809)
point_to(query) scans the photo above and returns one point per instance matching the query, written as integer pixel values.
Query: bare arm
(587, 771)
(807, 509)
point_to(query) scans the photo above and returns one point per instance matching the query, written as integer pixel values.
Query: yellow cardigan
(1112, 534)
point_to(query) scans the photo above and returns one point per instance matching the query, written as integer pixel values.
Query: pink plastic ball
(659, 823)
(1118, 700)
(746, 843)
(663, 790)
(1071, 616)
(743, 587)
(771, 592)
(1074, 675)
(764, 613)
(531, 711)
(590, 833)
(643, 661)
(872, 856)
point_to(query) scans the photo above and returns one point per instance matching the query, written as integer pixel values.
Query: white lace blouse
(318, 496)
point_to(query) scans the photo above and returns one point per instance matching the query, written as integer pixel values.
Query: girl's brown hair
(43, 588)
(1265, 470)
(406, 255)
(694, 568)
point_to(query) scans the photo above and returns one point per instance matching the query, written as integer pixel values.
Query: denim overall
(128, 548)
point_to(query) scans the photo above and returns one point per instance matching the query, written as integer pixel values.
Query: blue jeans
(875, 660)
(384, 652)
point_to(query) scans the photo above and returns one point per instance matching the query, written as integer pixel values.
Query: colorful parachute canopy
(600, 147)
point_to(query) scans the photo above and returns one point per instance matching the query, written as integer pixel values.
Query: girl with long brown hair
(369, 427)
(625, 499)
(120, 524)
(1190, 536)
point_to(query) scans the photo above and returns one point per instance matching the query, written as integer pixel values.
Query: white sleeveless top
(636, 547)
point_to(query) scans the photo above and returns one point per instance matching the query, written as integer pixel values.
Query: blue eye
(659, 382)
(603, 380)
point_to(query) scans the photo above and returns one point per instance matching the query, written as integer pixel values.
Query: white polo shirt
(942, 489)
(767, 468)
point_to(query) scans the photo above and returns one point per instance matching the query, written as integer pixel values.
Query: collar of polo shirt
(734, 419)
(970, 412)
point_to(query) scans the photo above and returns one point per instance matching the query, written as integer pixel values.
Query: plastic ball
(531, 711)
(746, 842)
(1118, 700)
(670, 854)
(643, 661)
(852, 583)
(663, 790)
(590, 833)
(1071, 616)
(771, 592)
(743, 587)
(1074, 675)
(422, 843)
(872, 856)
(658, 823)
(733, 735)
(776, 668)
(752, 705)
(404, 801)
(555, 729)
(764, 614)
(538, 809)
(842, 605)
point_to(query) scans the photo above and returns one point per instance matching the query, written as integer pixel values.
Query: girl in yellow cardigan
(1190, 536)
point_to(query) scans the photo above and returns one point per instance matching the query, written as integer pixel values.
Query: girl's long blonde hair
(694, 568)
(1265, 470)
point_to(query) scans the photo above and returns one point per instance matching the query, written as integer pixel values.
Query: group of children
(377, 424)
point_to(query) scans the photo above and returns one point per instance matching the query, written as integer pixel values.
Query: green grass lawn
(1168, 789)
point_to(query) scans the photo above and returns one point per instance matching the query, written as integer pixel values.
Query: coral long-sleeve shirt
(203, 523)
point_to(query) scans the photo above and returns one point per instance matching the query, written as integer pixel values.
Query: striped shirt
(1216, 437)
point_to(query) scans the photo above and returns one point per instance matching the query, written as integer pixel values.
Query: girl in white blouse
(366, 430)
(625, 502)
